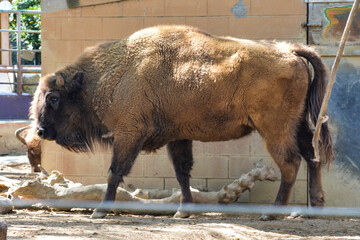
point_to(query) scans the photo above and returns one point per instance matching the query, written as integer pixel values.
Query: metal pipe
(19, 73)
(23, 71)
(9, 50)
(194, 208)
(23, 50)
(21, 11)
(24, 31)
(24, 84)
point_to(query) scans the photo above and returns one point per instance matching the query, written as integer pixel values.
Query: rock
(6, 205)
(6, 183)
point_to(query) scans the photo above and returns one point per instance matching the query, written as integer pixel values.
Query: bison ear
(75, 82)
(59, 80)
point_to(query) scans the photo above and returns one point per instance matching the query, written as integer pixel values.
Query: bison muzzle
(170, 85)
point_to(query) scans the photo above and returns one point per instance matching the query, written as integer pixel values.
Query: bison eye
(54, 99)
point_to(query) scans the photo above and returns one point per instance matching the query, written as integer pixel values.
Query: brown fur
(28, 136)
(174, 84)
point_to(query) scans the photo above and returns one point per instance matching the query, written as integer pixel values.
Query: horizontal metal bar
(29, 50)
(9, 50)
(23, 31)
(22, 50)
(194, 208)
(8, 30)
(2, 70)
(31, 71)
(15, 83)
(21, 11)
(23, 66)
(7, 83)
(31, 31)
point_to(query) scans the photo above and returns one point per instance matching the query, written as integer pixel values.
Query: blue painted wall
(14, 106)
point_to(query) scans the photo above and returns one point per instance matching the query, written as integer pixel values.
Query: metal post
(19, 73)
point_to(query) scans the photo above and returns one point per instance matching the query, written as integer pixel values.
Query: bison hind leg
(287, 157)
(289, 167)
(304, 138)
(180, 152)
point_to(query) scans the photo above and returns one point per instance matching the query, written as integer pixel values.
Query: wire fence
(167, 208)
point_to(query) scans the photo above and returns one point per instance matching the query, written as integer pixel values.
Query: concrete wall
(8, 142)
(66, 33)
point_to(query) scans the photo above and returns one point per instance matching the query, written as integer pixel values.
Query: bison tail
(316, 94)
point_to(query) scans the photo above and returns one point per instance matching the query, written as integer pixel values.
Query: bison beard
(74, 143)
(175, 84)
(82, 141)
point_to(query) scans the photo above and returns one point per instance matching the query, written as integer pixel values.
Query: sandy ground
(45, 224)
(25, 224)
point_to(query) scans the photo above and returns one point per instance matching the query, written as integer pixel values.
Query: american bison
(29, 137)
(170, 85)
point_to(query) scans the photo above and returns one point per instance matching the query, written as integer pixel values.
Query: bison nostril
(40, 131)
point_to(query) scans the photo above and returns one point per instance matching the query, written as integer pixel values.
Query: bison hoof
(98, 214)
(294, 215)
(317, 201)
(266, 217)
(181, 214)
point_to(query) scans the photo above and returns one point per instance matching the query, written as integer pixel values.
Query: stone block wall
(67, 33)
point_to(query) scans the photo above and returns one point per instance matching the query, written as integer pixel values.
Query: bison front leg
(181, 155)
(125, 152)
(305, 135)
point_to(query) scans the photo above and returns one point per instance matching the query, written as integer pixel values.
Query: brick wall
(66, 33)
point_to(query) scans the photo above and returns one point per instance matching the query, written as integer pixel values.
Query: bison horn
(59, 80)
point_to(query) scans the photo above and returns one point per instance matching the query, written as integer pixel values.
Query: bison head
(59, 110)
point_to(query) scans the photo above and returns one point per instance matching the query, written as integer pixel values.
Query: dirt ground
(46, 224)
(26, 224)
